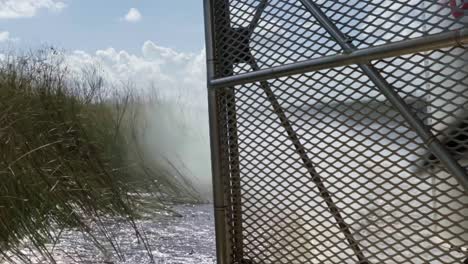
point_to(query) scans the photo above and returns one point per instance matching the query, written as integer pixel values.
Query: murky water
(188, 238)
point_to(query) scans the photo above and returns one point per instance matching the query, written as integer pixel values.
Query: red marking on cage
(457, 9)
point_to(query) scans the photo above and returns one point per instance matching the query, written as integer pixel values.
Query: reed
(69, 154)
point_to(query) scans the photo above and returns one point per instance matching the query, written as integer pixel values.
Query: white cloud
(173, 74)
(133, 15)
(10, 9)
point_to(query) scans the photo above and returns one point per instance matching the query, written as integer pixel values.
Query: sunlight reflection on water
(172, 240)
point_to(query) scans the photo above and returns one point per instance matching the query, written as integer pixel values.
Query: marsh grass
(70, 155)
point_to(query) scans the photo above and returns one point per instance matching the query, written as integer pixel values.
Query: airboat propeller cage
(339, 130)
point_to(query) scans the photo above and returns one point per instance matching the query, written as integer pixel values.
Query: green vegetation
(69, 154)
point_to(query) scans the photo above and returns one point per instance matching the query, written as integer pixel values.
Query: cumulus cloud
(170, 72)
(10, 9)
(133, 15)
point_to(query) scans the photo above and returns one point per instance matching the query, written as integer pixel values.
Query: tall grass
(69, 153)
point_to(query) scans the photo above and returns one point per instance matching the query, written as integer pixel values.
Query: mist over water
(174, 118)
(177, 135)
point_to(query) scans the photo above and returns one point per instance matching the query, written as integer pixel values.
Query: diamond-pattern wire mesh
(385, 199)
(371, 23)
(285, 32)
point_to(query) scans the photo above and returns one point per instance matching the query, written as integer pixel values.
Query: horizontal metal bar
(362, 56)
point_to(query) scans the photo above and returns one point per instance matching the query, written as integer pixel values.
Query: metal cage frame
(224, 86)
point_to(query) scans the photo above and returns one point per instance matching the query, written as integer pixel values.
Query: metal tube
(219, 201)
(216, 152)
(362, 56)
(434, 145)
(308, 164)
(235, 177)
(228, 113)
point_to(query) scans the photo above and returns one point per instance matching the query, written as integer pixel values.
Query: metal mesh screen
(325, 166)
(377, 22)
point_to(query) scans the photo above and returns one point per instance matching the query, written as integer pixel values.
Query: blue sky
(89, 25)
(152, 44)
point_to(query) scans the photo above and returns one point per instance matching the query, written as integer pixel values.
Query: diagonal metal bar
(300, 149)
(434, 145)
(426, 43)
(308, 164)
(258, 13)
